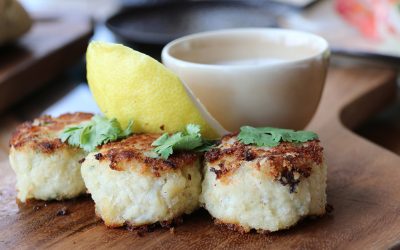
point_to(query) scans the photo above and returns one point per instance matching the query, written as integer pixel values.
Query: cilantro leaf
(98, 131)
(165, 149)
(70, 134)
(160, 140)
(271, 137)
(193, 129)
(127, 131)
(207, 145)
(190, 139)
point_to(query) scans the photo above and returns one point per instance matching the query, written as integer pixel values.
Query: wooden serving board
(53, 43)
(363, 188)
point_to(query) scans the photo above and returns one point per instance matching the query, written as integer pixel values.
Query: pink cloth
(375, 19)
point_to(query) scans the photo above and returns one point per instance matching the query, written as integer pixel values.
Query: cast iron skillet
(162, 23)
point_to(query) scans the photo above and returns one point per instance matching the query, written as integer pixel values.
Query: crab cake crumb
(131, 187)
(46, 168)
(267, 189)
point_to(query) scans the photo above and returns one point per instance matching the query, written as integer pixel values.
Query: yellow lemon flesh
(128, 85)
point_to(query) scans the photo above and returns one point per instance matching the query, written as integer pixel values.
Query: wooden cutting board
(363, 188)
(53, 44)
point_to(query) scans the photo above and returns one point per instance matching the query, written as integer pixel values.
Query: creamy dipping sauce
(251, 61)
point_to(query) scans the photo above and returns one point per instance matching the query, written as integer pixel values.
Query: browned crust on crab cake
(240, 229)
(231, 226)
(151, 227)
(287, 161)
(135, 151)
(42, 133)
(145, 228)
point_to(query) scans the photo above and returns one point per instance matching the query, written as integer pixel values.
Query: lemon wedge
(128, 85)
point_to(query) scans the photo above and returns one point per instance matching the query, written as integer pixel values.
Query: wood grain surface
(53, 43)
(363, 188)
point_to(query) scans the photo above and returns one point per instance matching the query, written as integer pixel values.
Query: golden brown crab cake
(267, 189)
(46, 168)
(131, 187)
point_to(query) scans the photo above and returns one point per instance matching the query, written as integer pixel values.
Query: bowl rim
(167, 56)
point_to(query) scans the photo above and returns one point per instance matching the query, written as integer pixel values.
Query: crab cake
(47, 168)
(131, 187)
(267, 189)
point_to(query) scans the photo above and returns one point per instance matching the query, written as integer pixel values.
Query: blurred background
(42, 43)
(351, 26)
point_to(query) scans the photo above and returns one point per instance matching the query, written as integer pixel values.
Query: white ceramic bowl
(252, 76)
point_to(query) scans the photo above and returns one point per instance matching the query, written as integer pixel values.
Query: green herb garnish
(98, 131)
(190, 139)
(271, 137)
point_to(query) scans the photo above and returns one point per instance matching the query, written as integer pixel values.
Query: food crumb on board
(62, 212)
(36, 208)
